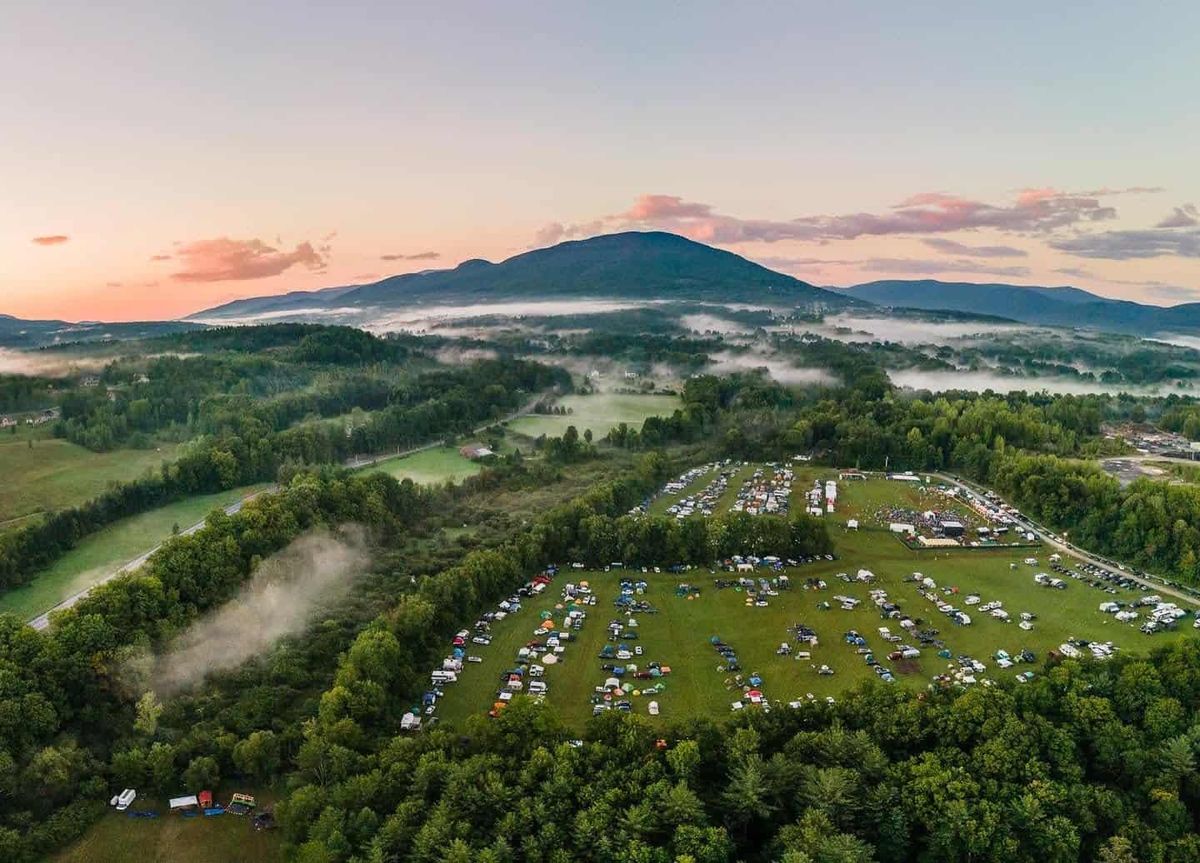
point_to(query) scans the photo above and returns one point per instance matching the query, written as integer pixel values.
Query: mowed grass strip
(431, 466)
(600, 413)
(54, 474)
(98, 555)
(678, 635)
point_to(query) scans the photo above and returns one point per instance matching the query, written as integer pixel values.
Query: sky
(161, 157)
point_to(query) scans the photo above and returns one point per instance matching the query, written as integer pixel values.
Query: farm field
(430, 466)
(600, 413)
(679, 634)
(174, 839)
(54, 473)
(107, 550)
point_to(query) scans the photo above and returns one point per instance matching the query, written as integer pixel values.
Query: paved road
(1053, 540)
(43, 620)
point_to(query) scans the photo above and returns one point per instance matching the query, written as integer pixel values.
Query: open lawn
(600, 413)
(103, 552)
(53, 474)
(174, 839)
(678, 635)
(430, 466)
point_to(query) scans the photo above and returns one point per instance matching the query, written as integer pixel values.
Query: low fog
(978, 381)
(13, 362)
(780, 370)
(870, 329)
(703, 323)
(279, 600)
(464, 356)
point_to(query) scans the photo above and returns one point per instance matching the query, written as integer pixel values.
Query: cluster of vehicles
(854, 638)
(617, 691)
(765, 494)
(703, 502)
(1076, 647)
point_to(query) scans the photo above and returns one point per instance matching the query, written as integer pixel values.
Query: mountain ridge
(630, 265)
(1050, 306)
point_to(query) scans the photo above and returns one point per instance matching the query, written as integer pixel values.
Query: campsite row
(617, 692)
(193, 805)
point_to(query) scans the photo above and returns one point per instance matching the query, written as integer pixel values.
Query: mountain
(19, 333)
(634, 265)
(1056, 306)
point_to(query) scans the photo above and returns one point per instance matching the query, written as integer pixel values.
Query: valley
(386, 489)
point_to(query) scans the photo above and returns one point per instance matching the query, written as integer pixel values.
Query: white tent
(549, 659)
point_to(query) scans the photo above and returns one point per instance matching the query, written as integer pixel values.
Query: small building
(475, 451)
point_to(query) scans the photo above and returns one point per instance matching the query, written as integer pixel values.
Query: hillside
(20, 333)
(633, 265)
(1053, 306)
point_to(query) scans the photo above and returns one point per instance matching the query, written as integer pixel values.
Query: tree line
(439, 403)
(1088, 762)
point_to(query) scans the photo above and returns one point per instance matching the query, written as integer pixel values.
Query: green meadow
(600, 413)
(679, 634)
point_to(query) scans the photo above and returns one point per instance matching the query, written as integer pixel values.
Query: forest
(1087, 762)
(248, 448)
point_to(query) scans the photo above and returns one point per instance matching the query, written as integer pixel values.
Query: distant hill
(1055, 306)
(634, 265)
(19, 333)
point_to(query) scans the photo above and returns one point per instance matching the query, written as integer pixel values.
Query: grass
(600, 413)
(174, 839)
(430, 466)
(99, 554)
(54, 474)
(678, 635)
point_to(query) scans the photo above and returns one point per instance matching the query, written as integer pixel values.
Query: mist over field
(13, 362)
(979, 381)
(780, 370)
(706, 323)
(869, 329)
(279, 600)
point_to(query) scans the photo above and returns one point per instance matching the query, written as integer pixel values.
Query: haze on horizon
(165, 157)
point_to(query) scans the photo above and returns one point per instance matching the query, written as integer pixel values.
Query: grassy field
(174, 839)
(599, 413)
(430, 466)
(54, 473)
(101, 553)
(679, 634)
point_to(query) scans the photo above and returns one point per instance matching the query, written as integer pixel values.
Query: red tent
(205, 798)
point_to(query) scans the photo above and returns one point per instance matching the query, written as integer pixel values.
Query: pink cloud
(51, 240)
(649, 207)
(418, 256)
(224, 259)
(1034, 210)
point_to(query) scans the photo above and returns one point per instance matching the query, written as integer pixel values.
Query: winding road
(1053, 540)
(42, 621)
